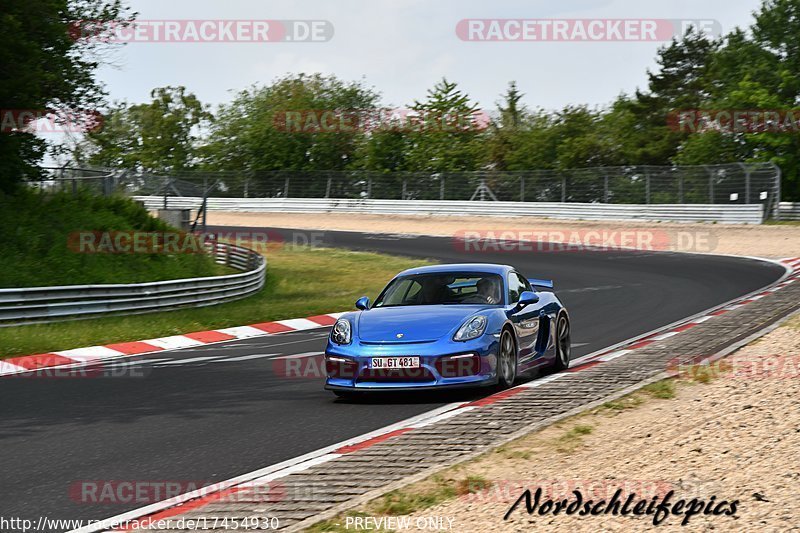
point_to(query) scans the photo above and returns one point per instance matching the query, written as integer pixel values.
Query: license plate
(394, 362)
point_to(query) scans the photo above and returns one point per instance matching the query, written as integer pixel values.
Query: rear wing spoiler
(543, 283)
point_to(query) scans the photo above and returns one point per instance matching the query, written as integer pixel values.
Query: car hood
(418, 323)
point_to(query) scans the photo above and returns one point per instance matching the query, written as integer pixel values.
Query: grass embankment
(39, 234)
(300, 282)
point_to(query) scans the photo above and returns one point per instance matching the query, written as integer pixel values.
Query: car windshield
(439, 288)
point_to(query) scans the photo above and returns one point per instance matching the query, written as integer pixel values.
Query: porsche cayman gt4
(448, 326)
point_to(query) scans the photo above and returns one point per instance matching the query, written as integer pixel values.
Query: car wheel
(506, 361)
(563, 344)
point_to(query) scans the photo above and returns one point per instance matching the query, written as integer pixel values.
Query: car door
(526, 320)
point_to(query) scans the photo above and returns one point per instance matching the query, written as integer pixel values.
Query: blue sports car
(448, 326)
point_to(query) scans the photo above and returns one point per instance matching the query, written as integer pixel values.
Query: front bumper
(439, 365)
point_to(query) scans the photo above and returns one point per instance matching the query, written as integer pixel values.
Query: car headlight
(341, 334)
(472, 329)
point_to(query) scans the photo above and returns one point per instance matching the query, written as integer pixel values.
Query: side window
(515, 287)
(526, 285)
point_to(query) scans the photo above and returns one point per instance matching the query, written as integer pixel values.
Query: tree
(47, 67)
(161, 136)
(299, 122)
(445, 135)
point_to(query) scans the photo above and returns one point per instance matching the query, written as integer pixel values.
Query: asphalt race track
(210, 413)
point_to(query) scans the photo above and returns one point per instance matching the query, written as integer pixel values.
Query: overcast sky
(402, 47)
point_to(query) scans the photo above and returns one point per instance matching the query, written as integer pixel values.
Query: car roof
(459, 267)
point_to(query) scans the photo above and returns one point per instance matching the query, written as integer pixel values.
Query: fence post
(522, 189)
(710, 185)
(680, 190)
(647, 187)
(605, 189)
(166, 190)
(746, 183)
(286, 188)
(369, 188)
(403, 197)
(563, 189)
(777, 191)
(246, 187)
(328, 188)
(441, 188)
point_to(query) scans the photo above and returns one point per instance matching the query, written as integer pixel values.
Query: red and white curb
(92, 354)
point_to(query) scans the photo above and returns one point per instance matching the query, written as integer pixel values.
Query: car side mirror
(527, 298)
(363, 303)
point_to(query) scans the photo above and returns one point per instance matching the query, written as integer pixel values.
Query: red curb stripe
(271, 327)
(685, 327)
(133, 348)
(190, 505)
(209, 336)
(33, 362)
(323, 320)
(720, 312)
(494, 398)
(370, 442)
(584, 367)
(639, 344)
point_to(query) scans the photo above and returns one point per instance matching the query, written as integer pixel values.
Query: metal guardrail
(724, 214)
(51, 304)
(789, 211)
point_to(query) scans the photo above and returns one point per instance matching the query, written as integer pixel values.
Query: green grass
(300, 282)
(40, 241)
(663, 390)
(573, 438)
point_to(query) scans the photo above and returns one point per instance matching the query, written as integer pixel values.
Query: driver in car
(487, 290)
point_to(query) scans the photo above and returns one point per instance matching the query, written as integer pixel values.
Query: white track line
(185, 361)
(245, 357)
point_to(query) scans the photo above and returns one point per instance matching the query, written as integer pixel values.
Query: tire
(506, 361)
(563, 344)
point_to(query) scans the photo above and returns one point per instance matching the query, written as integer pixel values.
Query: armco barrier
(724, 214)
(51, 304)
(789, 211)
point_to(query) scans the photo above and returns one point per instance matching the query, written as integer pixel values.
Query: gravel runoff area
(772, 241)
